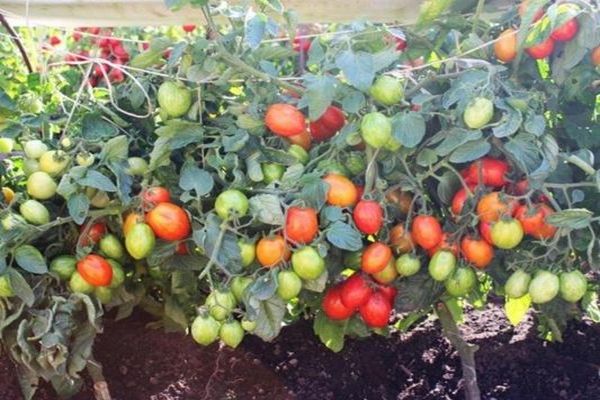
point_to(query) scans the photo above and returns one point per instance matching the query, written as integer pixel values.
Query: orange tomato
(8, 194)
(285, 120)
(533, 221)
(492, 206)
(595, 56)
(477, 251)
(505, 47)
(301, 225)
(375, 258)
(342, 192)
(426, 231)
(272, 250)
(169, 222)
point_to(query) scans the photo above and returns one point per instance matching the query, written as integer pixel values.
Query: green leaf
(318, 95)
(510, 123)
(535, 124)
(470, 151)
(20, 287)
(353, 101)
(267, 209)
(194, 178)
(431, 10)
(590, 304)
(330, 333)
(454, 138)
(516, 309)
(426, 157)
(95, 128)
(115, 149)
(227, 252)
(344, 236)
(408, 128)
(358, 68)
(30, 259)
(269, 318)
(574, 218)
(98, 181)
(78, 206)
(314, 192)
(254, 29)
(316, 285)
(456, 309)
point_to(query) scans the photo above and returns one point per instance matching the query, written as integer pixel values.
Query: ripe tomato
(441, 265)
(507, 233)
(220, 303)
(426, 231)
(505, 47)
(523, 8)
(400, 199)
(95, 270)
(355, 291)
(368, 216)
(376, 129)
(459, 200)
(272, 250)
(285, 120)
(301, 225)
(485, 230)
(479, 113)
(375, 257)
(376, 311)
(169, 222)
(151, 197)
(573, 286)
(341, 192)
(328, 124)
(205, 330)
(595, 56)
(301, 44)
(566, 32)
(308, 263)
(41, 186)
(247, 252)
(231, 203)
(387, 90)
(386, 275)
(408, 265)
(130, 220)
(140, 241)
(534, 221)
(460, 282)
(444, 244)
(92, 235)
(333, 306)
(541, 50)
(477, 251)
(517, 284)
(390, 293)
(493, 205)
(189, 28)
(289, 285)
(63, 266)
(231, 333)
(401, 240)
(493, 172)
(302, 139)
(34, 212)
(543, 287)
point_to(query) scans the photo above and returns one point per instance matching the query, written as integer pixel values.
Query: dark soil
(512, 364)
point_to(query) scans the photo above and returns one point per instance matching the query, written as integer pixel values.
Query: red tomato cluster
(168, 221)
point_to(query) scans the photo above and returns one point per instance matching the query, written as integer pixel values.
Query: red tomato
(54, 41)
(426, 231)
(360, 191)
(368, 216)
(459, 200)
(301, 225)
(169, 222)
(485, 230)
(494, 205)
(189, 28)
(541, 50)
(566, 32)
(390, 293)
(155, 195)
(376, 311)
(182, 249)
(92, 235)
(478, 252)
(444, 244)
(328, 124)
(355, 291)
(285, 120)
(95, 270)
(400, 44)
(116, 75)
(333, 306)
(375, 257)
(301, 44)
(533, 221)
(493, 172)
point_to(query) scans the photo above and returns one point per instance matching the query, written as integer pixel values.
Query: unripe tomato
(111, 247)
(534, 221)
(153, 196)
(595, 56)
(355, 163)
(92, 235)
(459, 200)
(507, 234)
(6, 289)
(285, 120)
(301, 224)
(386, 275)
(79, 285)
(477, 251)
(104, 294)
(333, 167)
(479, 113)
(375, 257)
(523, 8)
(505, 47)
(401, 240)
(63, 266)
(442, 265)
(302, 139)
(98, 198)
(408, 265)
(140, 241)
(493, 172)
(333, 306)
(6, 145)
(566, 32)
(95, 270)
(376, 311)
(169, 222)
(328, 124)
(573, 286)
(493, 205)
(272, 172)
(34, 212)
(299, 154)
(460, 282)
(11, 221)
(341, 192)
(220, 304)
(485, 230)
(541, 50)
(66, 143)
(130, 220)
(517, 284)
(231, 333)
(85, 159)
(30, 166)
(368, 216)
(247, 252)
(137, 166)
(543, 287)
(239, 284)
(355, 291)
(34, 149)
(308, 263)
(289, 285)
(390, 293)
(8, 194)
(248, 326)
(118, 277)
(376, 129)
(426, 231)
(174, 99)
(387, 90)
(231, 204)
(272, 250)
(41, 186)
(205, 330)
(54, 162)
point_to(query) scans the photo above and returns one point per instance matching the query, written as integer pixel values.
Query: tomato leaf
(574, 218)
(194, 178)
(95, 128)
(98, 181)
(267, 209)
(254, 29)
(20, 287)
(408, 128)
(269, 318)
(318, 94)
(456, 309)
(471, 151)
(344, 236)
(358, 68)
(30, 259)
(330, 333)
(78, 206)
(516, 309)
(316, 285)
(590, 304)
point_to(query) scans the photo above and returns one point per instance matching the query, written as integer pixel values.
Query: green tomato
(543, 287)
(220, 304)
(98, 198)
(393, 144)
(34, 149)
(461, 281)
(248, 326)
(80, 285)
(85, 159)
(355, 163)
(111, 247)
(479, 113)
(407, 265)
(140, 241)
(231, 203)
(231, 333)
(307, 263)
(387, 90)
(11, 221)
(30, 103)
(442, 265)
(137, 166)
(41, 186)
(332, 166)
(6, 145)
(507, 233)
(118, 276)
(174, 99)
(34, 212)
(6, 289)
(299, 154)
(54, 162)
(289, 285)
(104, 294)
(247, 252)
(30, 166)
(517, 284)
(66, 143)
(64, 266)
(272, 172)
(239, 284)
(376, 129)
(205, 330)
(573, 286)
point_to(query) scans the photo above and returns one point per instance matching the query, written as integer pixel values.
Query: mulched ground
(512, 364)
